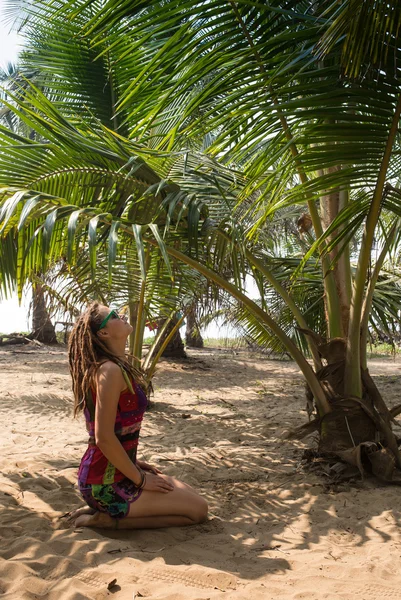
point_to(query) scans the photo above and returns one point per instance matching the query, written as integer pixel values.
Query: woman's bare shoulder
(109, 370)
(109, 365)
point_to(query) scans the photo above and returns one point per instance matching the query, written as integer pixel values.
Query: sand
(275, 530)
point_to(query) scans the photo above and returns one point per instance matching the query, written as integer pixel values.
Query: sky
(10, 41)
(12, 316)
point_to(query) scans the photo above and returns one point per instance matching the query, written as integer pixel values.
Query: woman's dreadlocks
(86, 353)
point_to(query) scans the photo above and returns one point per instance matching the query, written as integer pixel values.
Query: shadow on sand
(264, 507)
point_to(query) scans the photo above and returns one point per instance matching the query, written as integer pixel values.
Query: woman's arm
(109, 385)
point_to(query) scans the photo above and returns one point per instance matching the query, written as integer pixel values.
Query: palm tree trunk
(175, 348)
(42, 327)
(133, 313)
(193, 338)
(330, 206)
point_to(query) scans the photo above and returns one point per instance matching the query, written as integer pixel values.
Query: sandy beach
(276, 530)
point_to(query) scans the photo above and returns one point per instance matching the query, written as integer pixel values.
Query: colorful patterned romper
(102, 486)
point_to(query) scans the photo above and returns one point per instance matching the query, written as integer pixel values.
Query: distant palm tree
(193, 338)
(43, 329)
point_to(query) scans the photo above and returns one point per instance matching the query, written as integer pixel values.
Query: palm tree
(295, 107)
(143, 286)
(193, 337)
(43, 329)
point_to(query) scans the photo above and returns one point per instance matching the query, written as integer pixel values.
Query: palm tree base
(357, 431)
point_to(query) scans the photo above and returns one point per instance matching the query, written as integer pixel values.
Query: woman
(121, 491)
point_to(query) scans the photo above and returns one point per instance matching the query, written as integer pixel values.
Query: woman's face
(116, 327)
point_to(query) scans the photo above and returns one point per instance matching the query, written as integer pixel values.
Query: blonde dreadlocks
(86, 352)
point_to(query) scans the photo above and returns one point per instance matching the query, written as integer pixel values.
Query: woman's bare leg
(180, 507)
(180, 484)
(104, 521)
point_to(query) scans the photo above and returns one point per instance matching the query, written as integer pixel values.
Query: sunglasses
(112, 315)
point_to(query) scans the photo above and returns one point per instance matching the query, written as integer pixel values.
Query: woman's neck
(117, 348)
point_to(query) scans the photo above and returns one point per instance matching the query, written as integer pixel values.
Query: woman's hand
(155, 483)
(146, 467)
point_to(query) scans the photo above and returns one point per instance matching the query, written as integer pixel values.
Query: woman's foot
(67, 520)
(96, 519)
(74, 514)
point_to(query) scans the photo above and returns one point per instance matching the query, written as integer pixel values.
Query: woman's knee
(199, 510)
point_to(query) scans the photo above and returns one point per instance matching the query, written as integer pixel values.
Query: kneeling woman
(120, 490)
